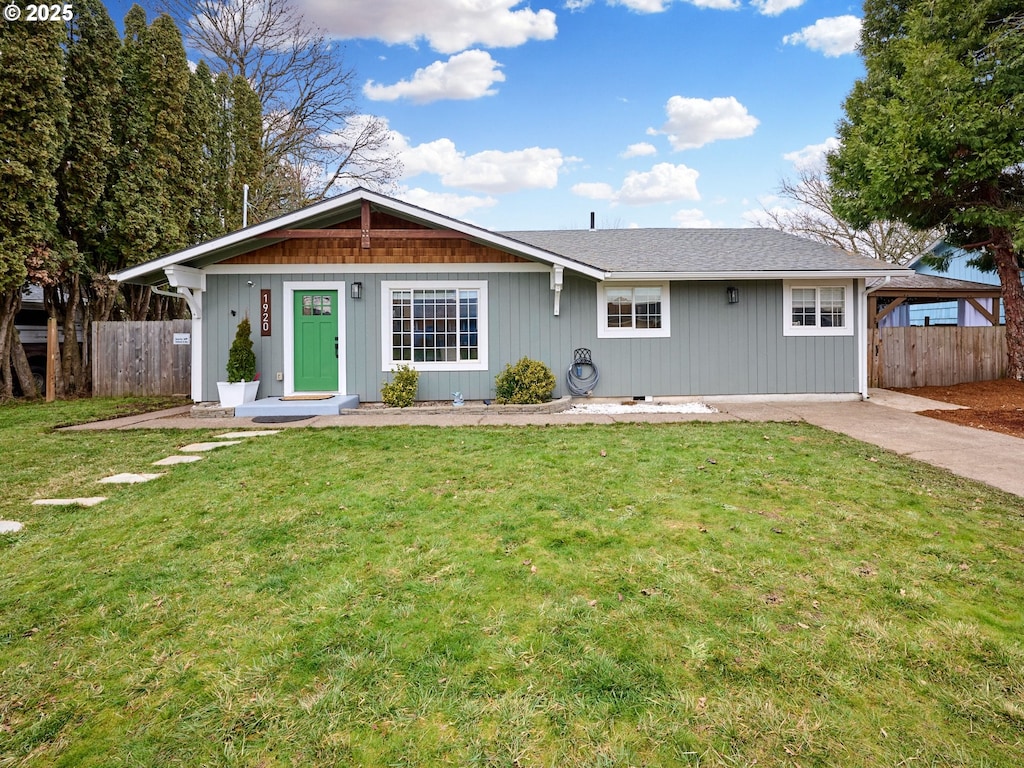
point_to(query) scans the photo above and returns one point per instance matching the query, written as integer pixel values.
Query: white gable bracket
(184, 277)
(556, 286)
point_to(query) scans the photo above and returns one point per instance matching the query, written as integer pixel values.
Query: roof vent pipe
(593, 226)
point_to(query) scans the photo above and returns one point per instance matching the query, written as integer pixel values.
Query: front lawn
(634, 595)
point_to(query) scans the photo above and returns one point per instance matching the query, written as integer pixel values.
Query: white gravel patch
(643, 407)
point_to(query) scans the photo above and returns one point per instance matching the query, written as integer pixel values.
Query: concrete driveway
(890, 420)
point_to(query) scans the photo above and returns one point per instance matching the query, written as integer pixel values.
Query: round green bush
(400, 392)
(528, 381)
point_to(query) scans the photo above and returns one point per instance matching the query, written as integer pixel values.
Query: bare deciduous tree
(315, 139)
(814, 218)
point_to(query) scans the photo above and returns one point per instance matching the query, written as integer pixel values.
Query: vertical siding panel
(715, 348)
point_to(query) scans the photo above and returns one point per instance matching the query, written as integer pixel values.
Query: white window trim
(788, 329)
(604, 332)
(387, 286)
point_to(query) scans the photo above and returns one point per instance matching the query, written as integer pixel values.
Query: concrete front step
(275, 406)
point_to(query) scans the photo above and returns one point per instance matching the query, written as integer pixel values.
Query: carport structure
(886, 294)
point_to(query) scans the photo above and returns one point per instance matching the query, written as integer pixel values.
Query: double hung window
(817, 309)
(633, 310)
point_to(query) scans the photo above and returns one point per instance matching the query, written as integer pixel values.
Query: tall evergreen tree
(932, 134)
(247, 161)
(198, 169)
(168, 86)
(91, 78)
(147, 207)
(33, 112)
(131, 203)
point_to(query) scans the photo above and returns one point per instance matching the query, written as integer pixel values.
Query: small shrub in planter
(241, 358)
(400, 392)
(528, 381)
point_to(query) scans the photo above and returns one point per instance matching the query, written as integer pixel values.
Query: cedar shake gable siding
(383, 250)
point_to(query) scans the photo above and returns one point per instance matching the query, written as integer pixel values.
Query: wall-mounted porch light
(732, 293)
(356, 291)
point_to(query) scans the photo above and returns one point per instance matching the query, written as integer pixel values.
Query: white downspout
(862, 353)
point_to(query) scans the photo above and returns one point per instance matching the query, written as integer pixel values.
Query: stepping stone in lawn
(248, 433)
(90, 501)
(202, 447)
(128, 478)
(170, 461)
(10, 526)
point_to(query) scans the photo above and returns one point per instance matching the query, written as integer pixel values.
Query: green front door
(316, 341)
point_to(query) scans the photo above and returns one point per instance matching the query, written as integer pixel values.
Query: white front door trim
(288, 328)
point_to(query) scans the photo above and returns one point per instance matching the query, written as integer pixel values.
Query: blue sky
(662, 113)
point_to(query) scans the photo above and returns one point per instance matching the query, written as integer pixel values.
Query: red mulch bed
(994, 405)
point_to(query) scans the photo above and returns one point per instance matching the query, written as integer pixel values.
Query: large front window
(632, 310)
(434, 326)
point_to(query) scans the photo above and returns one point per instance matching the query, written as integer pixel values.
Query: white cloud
(491, 171)
(642, 149)
(692, 123)
(663, 183)
(577, 5)
(717, 5)
(657, 6)
(812, 157)
(467, 75)
(449, 26)
(692, 218)
(834, 36)
(775, 7)
(596, 190)
(456, 206)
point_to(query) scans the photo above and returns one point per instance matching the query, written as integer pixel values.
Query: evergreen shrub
(400, 392)
(241, 358)
(528, 381)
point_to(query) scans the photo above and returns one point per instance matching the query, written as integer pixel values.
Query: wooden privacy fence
(142, 358)
(935, 356)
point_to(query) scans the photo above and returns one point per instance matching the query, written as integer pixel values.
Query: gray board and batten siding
(715, 348)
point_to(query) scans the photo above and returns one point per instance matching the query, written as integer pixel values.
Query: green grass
(701, 595)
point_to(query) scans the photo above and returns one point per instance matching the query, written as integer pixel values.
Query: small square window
(633, 310)
(817, 310)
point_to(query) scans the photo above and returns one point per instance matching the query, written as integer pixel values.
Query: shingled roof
(656, 254)
(694, 252)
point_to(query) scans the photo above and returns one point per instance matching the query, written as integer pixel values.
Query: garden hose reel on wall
(582, 375)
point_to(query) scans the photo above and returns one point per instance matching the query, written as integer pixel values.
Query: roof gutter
(872, 289)
(759, 275)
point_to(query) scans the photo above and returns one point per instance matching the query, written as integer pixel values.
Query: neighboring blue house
(959, 311)
(341, 292)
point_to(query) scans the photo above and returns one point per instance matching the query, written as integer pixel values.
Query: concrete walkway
(888, 420)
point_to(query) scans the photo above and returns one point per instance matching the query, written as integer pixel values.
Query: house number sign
(264, 311)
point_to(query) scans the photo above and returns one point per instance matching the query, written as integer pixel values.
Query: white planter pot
(236, 393)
